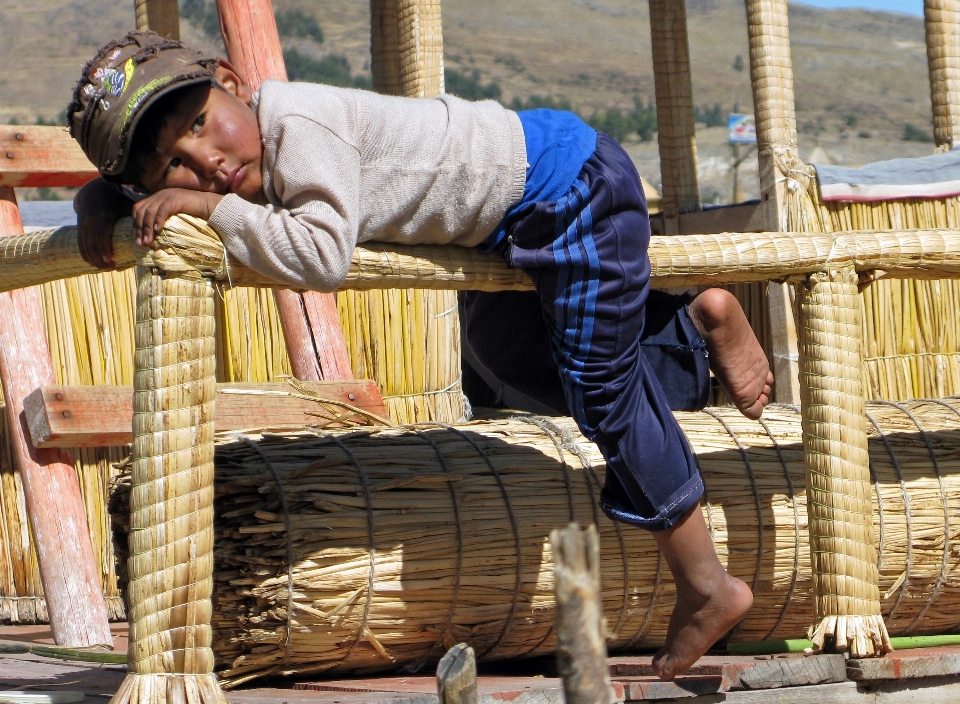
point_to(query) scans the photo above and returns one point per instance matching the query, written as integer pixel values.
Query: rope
(946, 516)
(590, 474)
(756, 494)
(513, 526)
(796, 529)
(905, 583)
(282, 495)
(370, 530)
(456, 515)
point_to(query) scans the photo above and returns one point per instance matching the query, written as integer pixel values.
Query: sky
(911, 7)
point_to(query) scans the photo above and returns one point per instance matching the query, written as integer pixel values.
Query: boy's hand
(99, 204)
(151, 213)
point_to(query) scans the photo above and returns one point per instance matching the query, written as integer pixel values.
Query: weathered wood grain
(102, 416)
(68, 569)
(33, 155)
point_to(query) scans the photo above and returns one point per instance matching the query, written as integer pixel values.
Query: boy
(293, 177)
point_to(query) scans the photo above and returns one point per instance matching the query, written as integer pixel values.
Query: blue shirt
(558, 145)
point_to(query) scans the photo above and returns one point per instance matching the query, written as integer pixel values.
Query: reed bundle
(911, 334)
(408, 341)
(21, 592)
(189, 247)
(368, 550)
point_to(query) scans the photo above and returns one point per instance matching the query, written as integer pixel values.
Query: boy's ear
(231, 81)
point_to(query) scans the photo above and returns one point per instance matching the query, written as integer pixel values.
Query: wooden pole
(68, 568)
(581, 638)
(162, 16)
(315, 344)
(771, 76)
(457, 676)
(676, 128)
(942, 22)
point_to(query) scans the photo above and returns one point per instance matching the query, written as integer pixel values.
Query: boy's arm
(99, 204)
(306, 243)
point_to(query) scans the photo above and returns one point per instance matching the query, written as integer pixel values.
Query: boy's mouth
(236, 178)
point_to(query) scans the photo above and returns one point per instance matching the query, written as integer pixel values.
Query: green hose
(774, 647)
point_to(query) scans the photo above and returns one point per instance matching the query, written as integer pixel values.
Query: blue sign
(742, 128)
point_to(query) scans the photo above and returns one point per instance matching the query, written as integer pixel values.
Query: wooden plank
(742, 217)
(931, 691)
(748, 672)
(37, 155)
(778, 672)
(102, 416)
(907, 664)
(68, 568)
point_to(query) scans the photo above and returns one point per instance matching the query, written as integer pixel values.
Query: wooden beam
(68, 569)
(311, 324)
(102, 416)
(33, 156)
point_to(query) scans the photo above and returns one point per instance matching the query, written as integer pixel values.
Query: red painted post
(310, 322)
(68, 568)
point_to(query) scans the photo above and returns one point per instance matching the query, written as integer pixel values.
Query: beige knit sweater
(342, 166)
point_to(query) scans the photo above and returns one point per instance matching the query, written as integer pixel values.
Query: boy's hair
(119, 85)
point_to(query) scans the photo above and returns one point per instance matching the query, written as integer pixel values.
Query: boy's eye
(174, 163)
(198, 123)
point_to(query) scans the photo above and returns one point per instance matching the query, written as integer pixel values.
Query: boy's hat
(117, 87)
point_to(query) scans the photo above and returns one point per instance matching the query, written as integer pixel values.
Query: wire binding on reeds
(422, 544)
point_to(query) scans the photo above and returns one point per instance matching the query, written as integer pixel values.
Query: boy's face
(215, 147)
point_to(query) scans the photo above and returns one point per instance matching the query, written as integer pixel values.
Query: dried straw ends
(845, 576)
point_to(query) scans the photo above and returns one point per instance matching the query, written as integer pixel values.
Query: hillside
(860, 75)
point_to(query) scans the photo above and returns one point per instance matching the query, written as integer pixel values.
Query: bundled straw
(911, 333)
(369, 550)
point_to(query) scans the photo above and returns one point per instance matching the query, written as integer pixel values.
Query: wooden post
(68, 568)
(457, 676)
(771, 75)
(316, 344)
(676, 128)
(581, 638)
(942, 22)
(162, 16)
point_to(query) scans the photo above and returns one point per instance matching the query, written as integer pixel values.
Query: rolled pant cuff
(676, 508)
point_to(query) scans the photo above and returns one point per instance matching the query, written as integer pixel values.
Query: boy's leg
(709, 601)
(586, 254)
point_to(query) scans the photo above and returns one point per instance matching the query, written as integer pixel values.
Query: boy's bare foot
(709, 601)
(698, 621)
(736, 356)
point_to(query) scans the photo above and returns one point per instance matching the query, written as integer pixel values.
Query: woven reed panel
(401, 542)
(911, 332)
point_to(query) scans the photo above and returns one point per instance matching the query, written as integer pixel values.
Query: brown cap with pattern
(117, 87)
